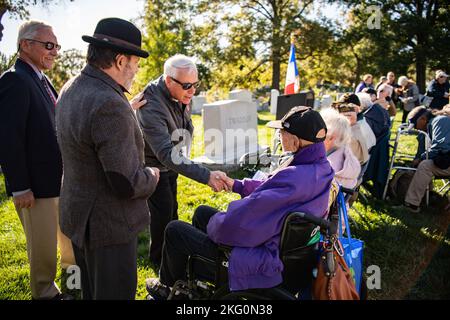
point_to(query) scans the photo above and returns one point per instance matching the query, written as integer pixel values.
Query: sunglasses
(48, 45)
(187, 85)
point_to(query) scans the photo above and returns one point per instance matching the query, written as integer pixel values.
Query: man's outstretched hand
(219, 181)
(138, 101)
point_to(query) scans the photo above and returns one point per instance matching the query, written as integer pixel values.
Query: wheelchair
(299, 249)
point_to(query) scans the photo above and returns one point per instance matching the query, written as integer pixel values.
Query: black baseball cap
(416, 113)
(302, 122)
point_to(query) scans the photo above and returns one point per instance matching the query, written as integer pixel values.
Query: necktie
(49, 91)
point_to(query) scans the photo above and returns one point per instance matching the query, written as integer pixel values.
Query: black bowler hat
(119, 35)
(303, 122)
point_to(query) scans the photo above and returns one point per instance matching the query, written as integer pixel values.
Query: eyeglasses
(48, 45)
(187, 85)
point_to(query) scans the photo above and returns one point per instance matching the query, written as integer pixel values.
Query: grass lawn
(412, 251)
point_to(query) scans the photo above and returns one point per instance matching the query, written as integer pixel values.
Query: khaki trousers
(42, 233)
(422, 178)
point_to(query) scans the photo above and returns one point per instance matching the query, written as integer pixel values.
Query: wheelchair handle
(325, 224)
(348, 191)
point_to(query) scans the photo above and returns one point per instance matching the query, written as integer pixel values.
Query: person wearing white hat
(438, 89)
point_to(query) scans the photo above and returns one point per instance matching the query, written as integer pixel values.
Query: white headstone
(316, 104)
(241, 95)
(197, 104)
(327, 100)
(274, 93)
(230, 131)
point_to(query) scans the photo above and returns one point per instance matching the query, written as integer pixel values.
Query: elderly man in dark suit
(30, 157)
(106, 185)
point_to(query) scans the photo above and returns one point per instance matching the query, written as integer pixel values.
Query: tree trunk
(421, 52)
(421, 65)
(357, 71)
(276, 69)
(276, 47)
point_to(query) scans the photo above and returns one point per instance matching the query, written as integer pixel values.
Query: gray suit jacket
(168, 128)
(105, 183)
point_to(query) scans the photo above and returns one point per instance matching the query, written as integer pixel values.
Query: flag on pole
(292, 84)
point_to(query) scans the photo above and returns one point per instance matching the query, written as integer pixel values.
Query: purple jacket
(252, 225)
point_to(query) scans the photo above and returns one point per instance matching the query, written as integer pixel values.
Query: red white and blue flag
(292, 84)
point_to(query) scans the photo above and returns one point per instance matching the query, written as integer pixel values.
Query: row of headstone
(199, 102)
(231, 126)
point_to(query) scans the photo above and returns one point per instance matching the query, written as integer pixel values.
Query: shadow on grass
(3, 195)
(434, 281)
(262, 122)
(404, 246)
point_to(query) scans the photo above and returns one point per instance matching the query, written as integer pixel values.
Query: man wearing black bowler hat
(103, 199)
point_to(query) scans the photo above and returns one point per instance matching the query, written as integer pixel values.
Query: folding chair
(404, 130)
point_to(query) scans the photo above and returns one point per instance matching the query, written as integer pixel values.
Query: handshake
(219, 181)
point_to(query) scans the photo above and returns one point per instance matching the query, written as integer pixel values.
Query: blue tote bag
(353, 248)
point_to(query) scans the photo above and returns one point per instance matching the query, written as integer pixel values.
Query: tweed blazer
(105, 183)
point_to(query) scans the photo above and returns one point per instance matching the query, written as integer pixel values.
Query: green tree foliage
(68, 64)
(5, 62)
(261, 30)
(166, 33)
(237, 43)
(245, 43)
(412, 32)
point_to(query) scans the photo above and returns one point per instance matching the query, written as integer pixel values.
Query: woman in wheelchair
(252, 225)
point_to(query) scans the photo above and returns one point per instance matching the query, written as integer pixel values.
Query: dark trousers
(182, 240)
(404, 116)
(108, 273)
(163, 207)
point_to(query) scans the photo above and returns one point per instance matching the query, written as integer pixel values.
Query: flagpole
(297, 80)
(292, 80)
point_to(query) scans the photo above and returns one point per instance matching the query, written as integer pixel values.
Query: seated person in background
(384, 93)
(252, 225)
(366, 130)
(345, 165)
(358, 141)
(376, 116)
(367, 82)
(437, 125)
(383, 80)
(439, 90)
